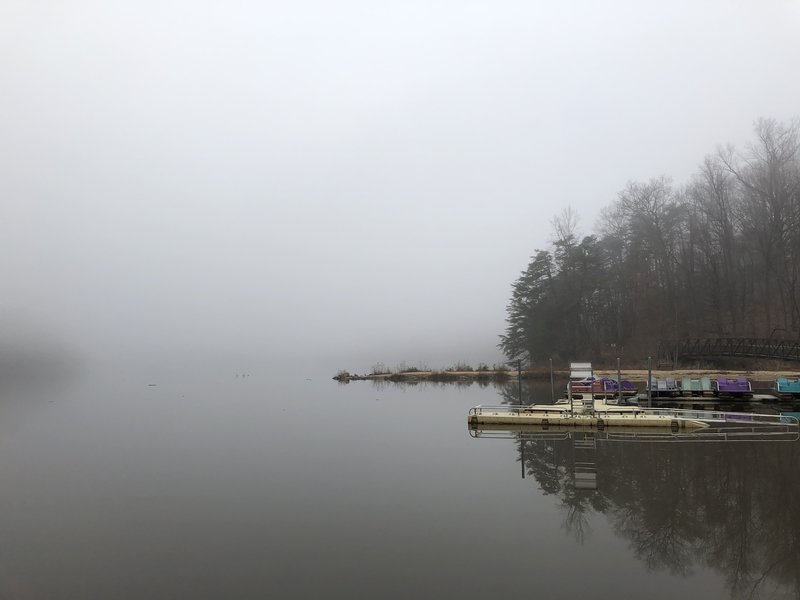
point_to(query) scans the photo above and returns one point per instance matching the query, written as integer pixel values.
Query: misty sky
(342, 182)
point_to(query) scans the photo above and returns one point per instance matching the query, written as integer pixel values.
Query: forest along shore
(500, 375)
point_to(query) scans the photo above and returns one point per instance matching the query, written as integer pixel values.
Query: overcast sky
(348, 182)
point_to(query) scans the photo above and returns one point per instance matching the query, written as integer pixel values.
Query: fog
(339, 184)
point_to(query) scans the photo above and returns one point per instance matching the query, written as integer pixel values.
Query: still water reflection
(290, 486)
(680, 504)
(719, 499)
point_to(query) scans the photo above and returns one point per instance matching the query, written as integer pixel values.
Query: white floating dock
(561, 415)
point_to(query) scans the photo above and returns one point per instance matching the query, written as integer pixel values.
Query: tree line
(716, 257)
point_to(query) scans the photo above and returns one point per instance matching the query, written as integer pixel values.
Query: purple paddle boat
(733, 387)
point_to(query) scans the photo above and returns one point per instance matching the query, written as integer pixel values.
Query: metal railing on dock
(717, 416)
(514, 409)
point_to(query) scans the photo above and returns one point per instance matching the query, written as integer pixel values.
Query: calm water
(218, 486)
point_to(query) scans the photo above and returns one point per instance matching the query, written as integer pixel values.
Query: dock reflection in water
(724, 499)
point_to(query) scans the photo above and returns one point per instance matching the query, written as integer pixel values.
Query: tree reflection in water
(730, 506)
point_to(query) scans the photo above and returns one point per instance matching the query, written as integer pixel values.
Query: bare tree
(768, 175)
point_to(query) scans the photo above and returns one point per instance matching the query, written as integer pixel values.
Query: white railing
(513, 409)
(717, 416)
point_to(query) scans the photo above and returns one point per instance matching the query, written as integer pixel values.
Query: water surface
(223, 485)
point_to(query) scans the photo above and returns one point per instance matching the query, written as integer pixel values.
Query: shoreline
(502, 375)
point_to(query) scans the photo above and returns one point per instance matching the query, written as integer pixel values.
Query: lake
(231, 485)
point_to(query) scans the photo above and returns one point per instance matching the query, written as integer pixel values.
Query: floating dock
(564, 415)
(601, 416)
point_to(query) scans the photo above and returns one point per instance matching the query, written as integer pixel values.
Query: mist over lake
(210, 210)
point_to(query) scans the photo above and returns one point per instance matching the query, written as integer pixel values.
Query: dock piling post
(649, 382)
(569, 396)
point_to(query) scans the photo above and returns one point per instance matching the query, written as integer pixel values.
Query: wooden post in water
(519, 382)
(552, 385)
(619, 383)
(649, 382)
(569, 396)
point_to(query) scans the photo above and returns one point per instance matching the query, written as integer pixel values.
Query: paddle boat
(696, 386)
(788, 386)
(663, 387)
(732, 387)
(600, 387)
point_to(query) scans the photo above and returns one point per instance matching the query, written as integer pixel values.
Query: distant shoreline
(502, 375)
